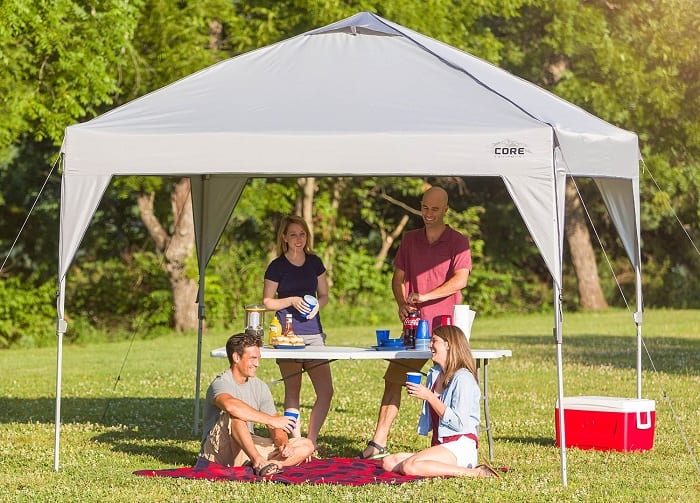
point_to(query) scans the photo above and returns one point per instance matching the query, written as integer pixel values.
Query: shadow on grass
(341, 446)
(541, 441)
(671, 355)
(136, 443)
(164, 417)
(154, 427)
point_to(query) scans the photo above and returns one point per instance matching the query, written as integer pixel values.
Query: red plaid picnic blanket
(340, 471)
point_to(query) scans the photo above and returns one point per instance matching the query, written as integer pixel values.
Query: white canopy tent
(360, 97)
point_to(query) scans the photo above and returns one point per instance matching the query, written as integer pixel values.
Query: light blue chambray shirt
(462, 399)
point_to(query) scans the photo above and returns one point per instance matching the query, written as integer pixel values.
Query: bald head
(433, 208)
(435, 195)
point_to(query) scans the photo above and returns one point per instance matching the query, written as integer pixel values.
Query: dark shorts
(396, 371)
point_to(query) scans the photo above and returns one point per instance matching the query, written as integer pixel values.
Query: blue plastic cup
(423, 336)
(414, 377)
(292, 413)
(311, 301)
(423, 331)
(382, 337)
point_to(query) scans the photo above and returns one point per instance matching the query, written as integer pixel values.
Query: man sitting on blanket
(235, 400)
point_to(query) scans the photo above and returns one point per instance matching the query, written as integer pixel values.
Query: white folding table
(333, 353)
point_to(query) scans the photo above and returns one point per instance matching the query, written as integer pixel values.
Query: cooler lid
(608, 404)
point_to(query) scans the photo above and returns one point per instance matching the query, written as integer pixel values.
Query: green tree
(171, 41)
(61, 63)
(634, 64)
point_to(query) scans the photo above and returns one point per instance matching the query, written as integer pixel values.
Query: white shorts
(464, 449)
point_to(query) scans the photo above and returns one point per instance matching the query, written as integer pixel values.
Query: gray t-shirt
(254, 392)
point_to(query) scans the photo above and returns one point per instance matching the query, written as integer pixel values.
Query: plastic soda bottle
(410, 327)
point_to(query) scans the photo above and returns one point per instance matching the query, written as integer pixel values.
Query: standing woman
(451, 410)
(294, 273)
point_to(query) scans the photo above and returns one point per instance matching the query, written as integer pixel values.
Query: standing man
(431, 267)
(235, 400)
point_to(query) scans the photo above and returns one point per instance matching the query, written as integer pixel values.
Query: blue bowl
(393, 342)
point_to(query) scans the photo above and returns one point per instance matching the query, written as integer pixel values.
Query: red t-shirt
(428, 265)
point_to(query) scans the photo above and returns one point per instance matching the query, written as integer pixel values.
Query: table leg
(487, 415)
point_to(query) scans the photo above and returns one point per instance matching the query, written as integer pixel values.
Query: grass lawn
(144, 420)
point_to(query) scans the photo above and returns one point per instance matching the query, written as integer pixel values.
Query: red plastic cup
(443, 319)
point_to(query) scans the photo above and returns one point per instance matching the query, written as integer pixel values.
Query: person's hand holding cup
(312, 305)
(293, 415)
(283, 422)
(413, 383)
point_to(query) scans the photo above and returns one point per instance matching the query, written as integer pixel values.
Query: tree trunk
(388, 239)
(582, 256)
(177, 249)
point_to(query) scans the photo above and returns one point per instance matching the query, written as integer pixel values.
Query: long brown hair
(286, 221)
(459, 354)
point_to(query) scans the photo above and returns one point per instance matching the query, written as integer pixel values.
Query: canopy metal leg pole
(197, 386)
(638, 323)
(560, 381)
(487, 411)
(200, 297)
(61, 327)
(57, 420)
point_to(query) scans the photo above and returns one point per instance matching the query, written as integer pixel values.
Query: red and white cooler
(608, 423)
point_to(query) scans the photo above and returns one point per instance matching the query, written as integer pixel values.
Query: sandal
(381, 451)
(487, 471)
(267, 470)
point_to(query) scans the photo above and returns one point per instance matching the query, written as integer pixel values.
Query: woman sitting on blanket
(451, 410)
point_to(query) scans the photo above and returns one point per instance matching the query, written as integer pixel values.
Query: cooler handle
(647, 424)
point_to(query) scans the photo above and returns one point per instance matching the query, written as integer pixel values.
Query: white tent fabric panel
(381, 96)
(538, 201)
(590, 145)
(80, 197)
(368, 154)
(621, 197)
(594, 155)
(213, 200)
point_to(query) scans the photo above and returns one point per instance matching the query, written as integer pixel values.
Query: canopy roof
(363, 96)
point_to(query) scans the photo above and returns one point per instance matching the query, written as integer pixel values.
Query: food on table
(283, 340)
